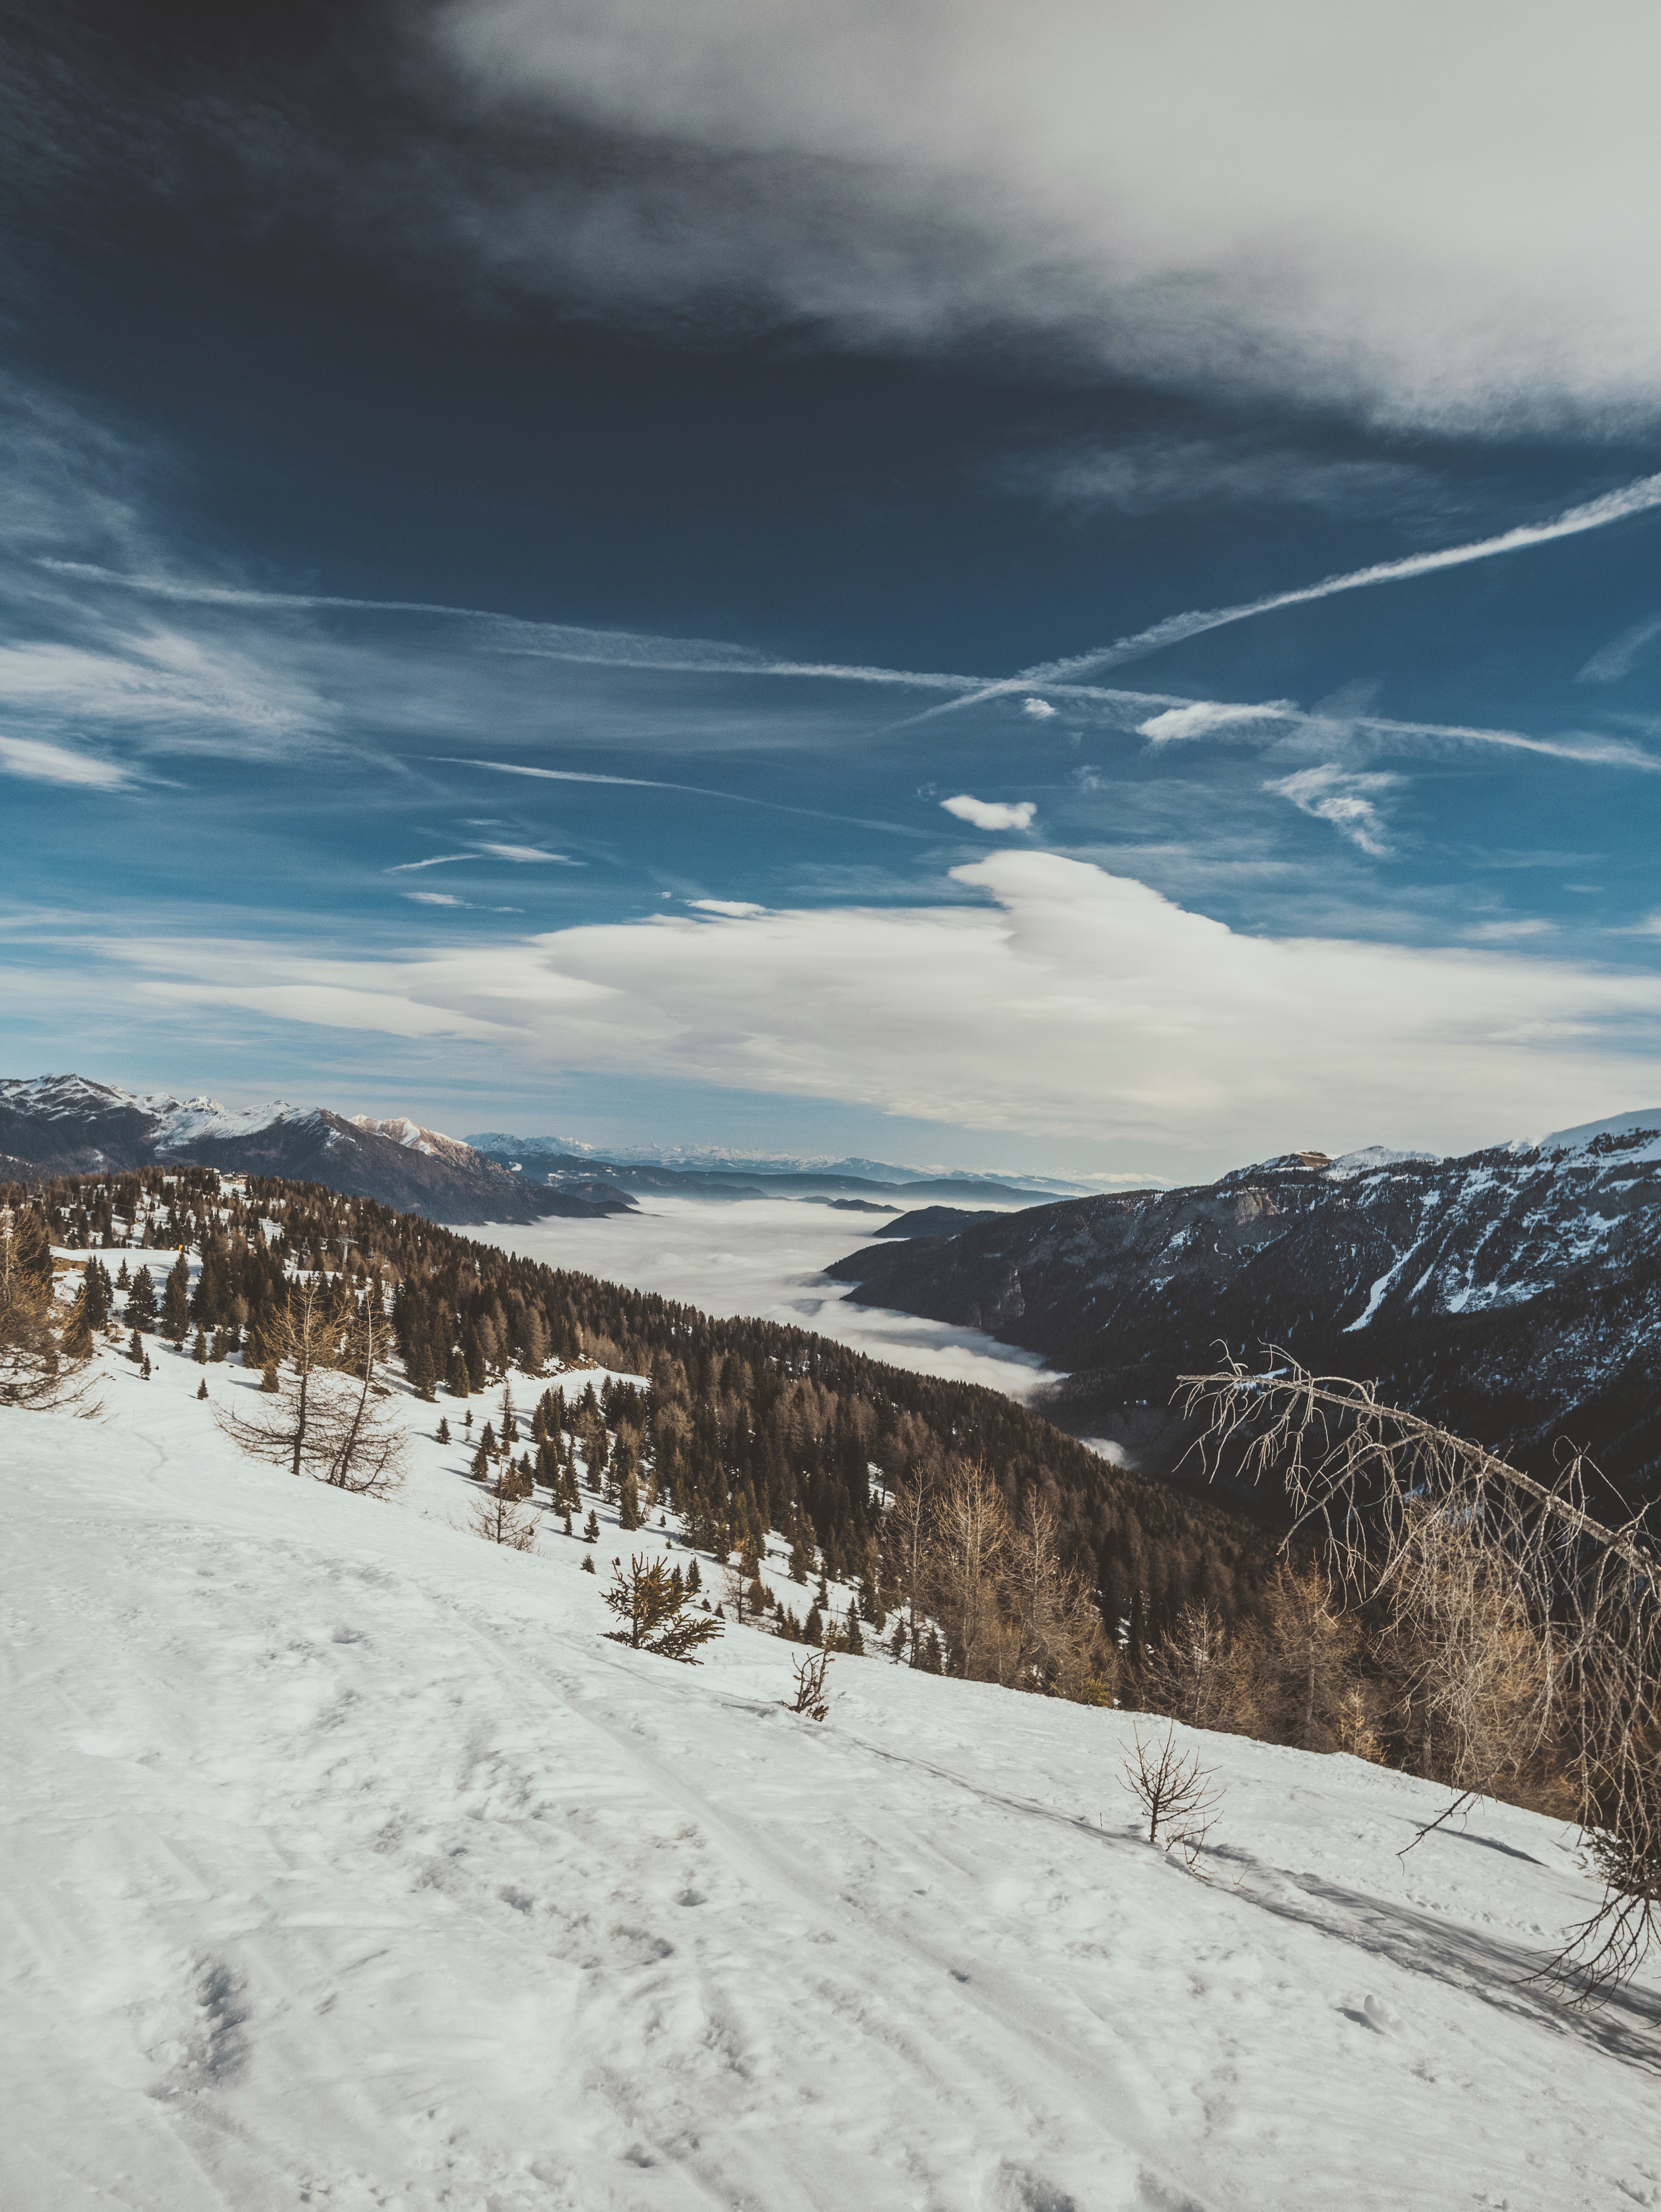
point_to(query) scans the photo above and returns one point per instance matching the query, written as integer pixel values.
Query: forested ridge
(749, 1425)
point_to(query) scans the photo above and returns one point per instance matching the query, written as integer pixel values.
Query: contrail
(652, 783)
(1637, 498)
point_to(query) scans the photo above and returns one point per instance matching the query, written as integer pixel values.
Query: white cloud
(1613, 661)
(1332, 794)
(1143, 475)
(1040, 709)
(438, 860)
(1073, 1004)
(1206, 716)
(736, 909)
(991, 813)
(48, 763)
(524, 855)
(1439, 214)
(434, 898)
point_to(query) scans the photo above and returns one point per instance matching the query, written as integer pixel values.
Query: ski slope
(347, 1864)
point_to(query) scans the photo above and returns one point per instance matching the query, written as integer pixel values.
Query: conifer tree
(140, 1312)
(443, 1429)
(591, 1527)
(199, 1350)
(77, 1342)
(176, 1301)
(202, 1387)
(812, 1631)
(459, 1385)
(135, 1348)
(123, 1280)
(852, 1640)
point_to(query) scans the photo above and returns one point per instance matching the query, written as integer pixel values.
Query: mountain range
(68, 1124)
(1513, 1293)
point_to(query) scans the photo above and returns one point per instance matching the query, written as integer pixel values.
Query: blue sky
(521, 516)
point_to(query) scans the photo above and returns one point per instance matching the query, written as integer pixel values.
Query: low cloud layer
(1071, 1004)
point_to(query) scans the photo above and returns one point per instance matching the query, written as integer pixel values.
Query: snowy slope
(347, 1864)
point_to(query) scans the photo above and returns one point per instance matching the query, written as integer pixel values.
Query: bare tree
(812, 1698)
(329, 1421)
(969, 1555)
(1178, 1796)
(907, 1529)
(1534, 1628)
(497, 1515)
(1063, 1646)
(1200, 1675)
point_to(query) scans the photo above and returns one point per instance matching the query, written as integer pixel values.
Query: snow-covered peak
(1370, 1157)
(1629, 1139)
(416, 1138)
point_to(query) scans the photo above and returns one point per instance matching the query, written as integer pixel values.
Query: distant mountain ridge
(589, 1171)
(714, 1159)
(1514, 1293)
(68, 1124)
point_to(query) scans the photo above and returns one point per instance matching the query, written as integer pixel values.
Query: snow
(347, 1864)
(1582, 1138)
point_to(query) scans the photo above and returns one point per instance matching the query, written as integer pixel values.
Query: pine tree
(852, 1640)
(269, 1383)
(123, 1280)
(202, 1387)
(419, 1368)
(459, 1384)
(589, 1562)
(481, 1467)
(76, 1341)
(140, 1312)
(135, 1348)
(443, 1429)
(199, 1350)
(591, 1527)
(694, 1579)
(812, 1630)
(176, 1301)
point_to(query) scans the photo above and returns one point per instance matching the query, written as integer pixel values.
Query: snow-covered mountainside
(348, 1864)
(64, 1124)
(1515, 1291)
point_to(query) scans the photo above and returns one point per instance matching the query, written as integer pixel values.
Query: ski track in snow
(348, 1865)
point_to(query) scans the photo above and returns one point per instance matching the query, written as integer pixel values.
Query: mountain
(1514, 1293)
(715, 1159)
(66, 1124)
(579, 1172)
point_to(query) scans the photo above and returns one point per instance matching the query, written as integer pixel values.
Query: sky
(1035, 589)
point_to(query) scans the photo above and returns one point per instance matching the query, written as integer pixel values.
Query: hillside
(1515, 1293)
(350, 1865)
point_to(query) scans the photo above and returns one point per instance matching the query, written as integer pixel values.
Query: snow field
(347, 1864)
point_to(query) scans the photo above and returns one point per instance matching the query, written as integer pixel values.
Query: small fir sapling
(202, 1387)
(587, 1563)
(591, 1527)
(200, 1349)
(443, 1429)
